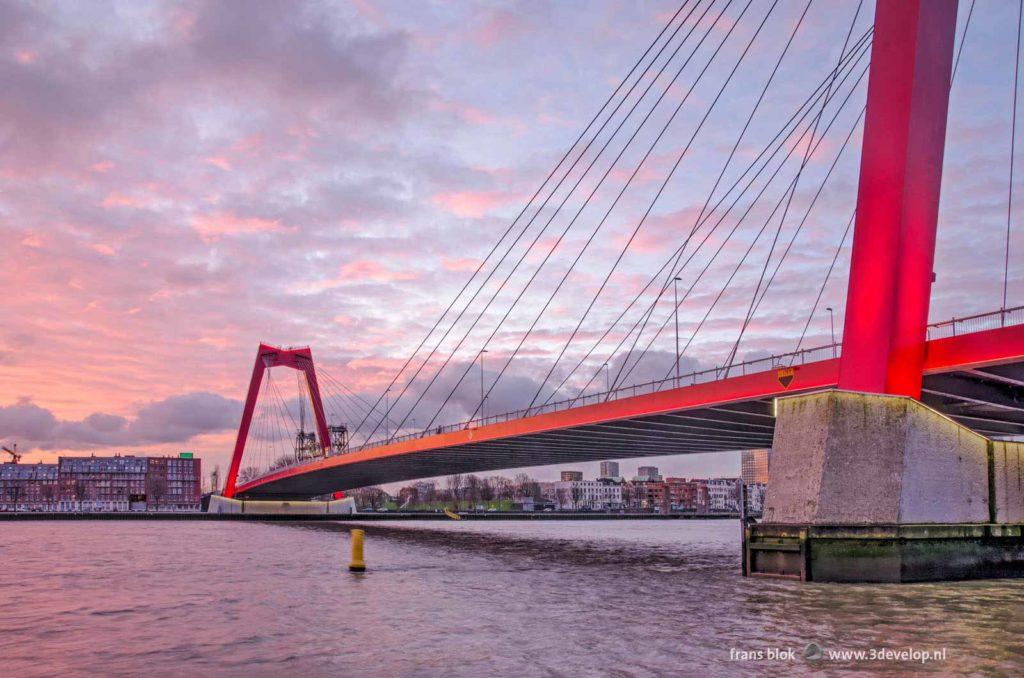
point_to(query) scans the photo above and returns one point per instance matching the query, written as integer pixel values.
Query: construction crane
(15, 457)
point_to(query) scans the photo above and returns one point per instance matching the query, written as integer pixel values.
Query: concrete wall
(852, 458)
(1008, 481)
(220, 504)
(945, 470)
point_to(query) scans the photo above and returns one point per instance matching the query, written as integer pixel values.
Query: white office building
(596, 495)
(724, 494)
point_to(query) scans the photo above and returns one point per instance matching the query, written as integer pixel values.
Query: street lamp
(482, 396)
(675, 299)
(607, 378)
(387, 414)
(832, 326)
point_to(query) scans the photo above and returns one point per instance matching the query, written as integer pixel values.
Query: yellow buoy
(357, 564)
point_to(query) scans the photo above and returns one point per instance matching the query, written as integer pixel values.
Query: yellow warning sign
(785, 376)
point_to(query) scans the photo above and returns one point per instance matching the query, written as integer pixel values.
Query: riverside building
(91, 484)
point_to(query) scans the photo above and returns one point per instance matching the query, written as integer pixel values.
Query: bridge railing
(752, 366)
(1004, 317)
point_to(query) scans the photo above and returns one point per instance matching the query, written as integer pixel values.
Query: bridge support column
(884, 489)
(300, 359)
(898, 197)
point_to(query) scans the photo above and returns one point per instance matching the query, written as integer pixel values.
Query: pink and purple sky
(182, 180)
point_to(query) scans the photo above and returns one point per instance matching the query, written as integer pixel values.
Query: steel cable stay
(259, 452)
(283, 403)
(1013, 140)
(622, 373)
(629, 181)
(622, 252)
(755, 302)
(269, 440)
(586, 202)
(566, 155)
(721, 247)
(963, 40)
(347, 408)
(727, 367)
(824, 283)
(625, 368)
(338, 411)
(778, 204)
(356, 401)
(540, 234)
(673, 260)
(350, 408)
(797, 232)
(796, 120)
(280, 428)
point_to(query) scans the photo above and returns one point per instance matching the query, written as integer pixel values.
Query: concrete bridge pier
(879, 488)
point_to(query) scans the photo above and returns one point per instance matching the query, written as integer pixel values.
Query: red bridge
(971, 369)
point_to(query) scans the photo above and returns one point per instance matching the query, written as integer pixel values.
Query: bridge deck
(977, 379)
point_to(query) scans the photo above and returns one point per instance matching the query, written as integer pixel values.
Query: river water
(618, 598)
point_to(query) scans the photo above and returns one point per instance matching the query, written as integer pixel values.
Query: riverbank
(360, 517)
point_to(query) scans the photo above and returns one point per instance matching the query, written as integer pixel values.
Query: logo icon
(813, 652)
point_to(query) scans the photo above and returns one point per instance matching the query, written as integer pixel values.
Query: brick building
(99, 483)
(28, 487)
(173, 483)
(118, 483)
(687, 495)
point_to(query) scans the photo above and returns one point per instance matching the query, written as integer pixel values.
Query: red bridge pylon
(300, 359)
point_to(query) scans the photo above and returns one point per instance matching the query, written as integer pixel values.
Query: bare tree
(627, 495)
(504, 487)
(560, 497)
(473, 489)
(409, 495)
(248, 473)
(522, 484)
(80, 490)
(486, 489)
(282, 461)
(156, 489)
(48, 490)
(454, 483)
(577, 495)
(369, 497)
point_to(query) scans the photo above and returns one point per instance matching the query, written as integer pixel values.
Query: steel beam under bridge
(977, 379)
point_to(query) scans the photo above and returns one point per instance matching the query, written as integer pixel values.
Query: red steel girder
(898, 197)
(300, 359)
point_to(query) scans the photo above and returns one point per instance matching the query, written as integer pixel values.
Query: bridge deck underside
(989, 400)
(976, 380)
(738, 426)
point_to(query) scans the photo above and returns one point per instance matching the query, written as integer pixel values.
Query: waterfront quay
(389, 516)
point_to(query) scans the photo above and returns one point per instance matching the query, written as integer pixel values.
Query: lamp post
(482, 396)
(675, 299)
(607, 378)
(387, 414)
(832, 327)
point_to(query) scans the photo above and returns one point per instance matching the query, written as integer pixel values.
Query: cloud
(177, 419)
(473, 204)
(212, 227)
